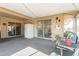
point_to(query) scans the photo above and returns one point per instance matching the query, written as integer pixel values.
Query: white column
(75, 23)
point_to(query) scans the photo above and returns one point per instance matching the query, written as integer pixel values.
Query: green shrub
(58, 37)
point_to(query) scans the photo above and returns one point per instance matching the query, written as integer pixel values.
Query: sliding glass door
(44, 28)
(18, 29)
(47, 29)
(40, 29)
(14, 29)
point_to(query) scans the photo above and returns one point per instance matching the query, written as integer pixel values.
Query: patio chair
(76, 53)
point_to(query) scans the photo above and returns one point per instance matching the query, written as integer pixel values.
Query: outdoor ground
(13, 45)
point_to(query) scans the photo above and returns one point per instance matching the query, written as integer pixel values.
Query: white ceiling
(40, 9)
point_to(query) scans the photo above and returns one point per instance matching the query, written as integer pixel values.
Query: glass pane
(18, 29)
(40, 29)
(11, 29)
(47, 28)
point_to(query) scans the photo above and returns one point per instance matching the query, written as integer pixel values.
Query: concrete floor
(14, 45)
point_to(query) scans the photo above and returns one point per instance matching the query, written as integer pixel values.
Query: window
(68, 23)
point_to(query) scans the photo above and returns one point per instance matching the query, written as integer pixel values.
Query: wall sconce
(56, 18)
(59, 20)
(4, 24)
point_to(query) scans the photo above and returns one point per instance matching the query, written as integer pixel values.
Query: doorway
(44, 28)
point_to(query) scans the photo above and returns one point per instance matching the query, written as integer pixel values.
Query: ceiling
(40, 9)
